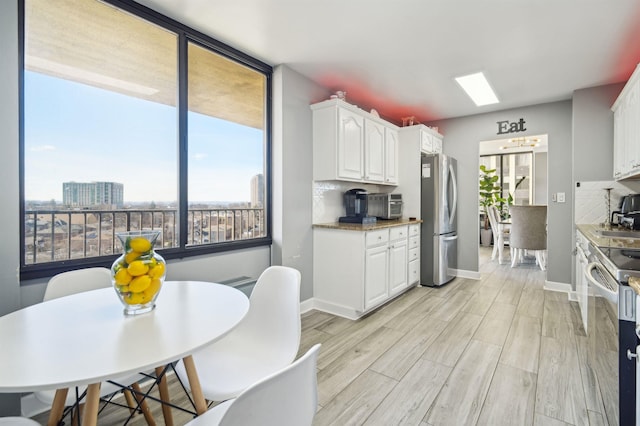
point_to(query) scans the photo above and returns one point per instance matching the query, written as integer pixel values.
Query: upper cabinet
(626, 130)
(429, 140)
(353, 145)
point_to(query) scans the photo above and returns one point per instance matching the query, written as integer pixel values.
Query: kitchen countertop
(591, 232)
(369, 227)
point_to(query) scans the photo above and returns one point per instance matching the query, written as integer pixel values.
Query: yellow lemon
(122, 289)
(140, 244)
(146, 298)
(140, 283)
(131, 256)
(122, 277)
(137, 268)
(134, 299)
(157, 271)
(153, 288)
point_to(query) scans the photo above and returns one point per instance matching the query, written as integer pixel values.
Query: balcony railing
(58, 235)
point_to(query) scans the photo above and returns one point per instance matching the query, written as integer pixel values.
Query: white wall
(461, 140)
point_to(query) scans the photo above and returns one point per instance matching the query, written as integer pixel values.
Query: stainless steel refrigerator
(439, 201)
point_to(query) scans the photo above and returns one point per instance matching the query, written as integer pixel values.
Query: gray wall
(461, 140)
(293, 167)
(593, 132)
(9, 196)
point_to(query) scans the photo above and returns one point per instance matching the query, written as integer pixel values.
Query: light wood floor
(498, 351)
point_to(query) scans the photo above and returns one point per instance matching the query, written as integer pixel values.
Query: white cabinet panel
(626, 130)
(391, 156)
(397, 266)
(374, 151)
(350, 145)
(376, 289)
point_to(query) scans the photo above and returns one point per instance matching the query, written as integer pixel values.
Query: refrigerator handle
(452, 216)
(453, 237)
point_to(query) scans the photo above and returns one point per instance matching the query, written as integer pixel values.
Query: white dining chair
(17, 421)
(266, 340)
(288, 397)
(500, 233)
(78, 281)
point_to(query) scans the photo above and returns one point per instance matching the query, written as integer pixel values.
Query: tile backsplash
(591, 199)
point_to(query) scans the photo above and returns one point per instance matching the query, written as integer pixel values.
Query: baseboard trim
(306, 305)
(561, 287)
(472, 275)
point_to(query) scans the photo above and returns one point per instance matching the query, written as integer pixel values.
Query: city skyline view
(68, 123)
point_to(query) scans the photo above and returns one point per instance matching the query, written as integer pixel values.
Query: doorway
(520, 169)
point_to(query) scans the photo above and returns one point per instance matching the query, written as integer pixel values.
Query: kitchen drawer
(414, 272)
(375, 238)
(398, 232)
(414, 254)
(414, 242)
(414, 230)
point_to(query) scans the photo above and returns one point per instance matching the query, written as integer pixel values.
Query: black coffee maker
(356, 206)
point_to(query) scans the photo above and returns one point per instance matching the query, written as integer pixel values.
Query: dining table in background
(85, 339)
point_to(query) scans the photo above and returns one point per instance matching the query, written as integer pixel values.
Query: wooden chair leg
(131, 403)
(163, 388)
(194, 384)
(143, 405)
(57, 408)
(90, 415)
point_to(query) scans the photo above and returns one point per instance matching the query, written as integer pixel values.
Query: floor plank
(514, 388)
(461, 398)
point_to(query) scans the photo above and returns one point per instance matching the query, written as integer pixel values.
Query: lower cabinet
(356, 271)
(413, 273)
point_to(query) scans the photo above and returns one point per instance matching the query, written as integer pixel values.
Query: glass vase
(138, 274)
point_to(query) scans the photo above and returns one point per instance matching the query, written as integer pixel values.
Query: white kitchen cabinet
(626, 130)
(429, 140)
(391, 156)
(413, 255)
(353, 145)
(356, 271)
(374, 151)
(350, 145)
(398, 259)
(376, 289)
(582, 284)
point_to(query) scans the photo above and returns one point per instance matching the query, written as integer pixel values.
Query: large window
(514, 173)
(133, 121)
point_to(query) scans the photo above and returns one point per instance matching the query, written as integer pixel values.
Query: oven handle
(610, 295)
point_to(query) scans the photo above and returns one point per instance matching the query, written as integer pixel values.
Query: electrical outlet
(561, 197)
(553, 197)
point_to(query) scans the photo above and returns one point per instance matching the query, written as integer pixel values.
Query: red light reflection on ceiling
(367, 98)
(629, 50)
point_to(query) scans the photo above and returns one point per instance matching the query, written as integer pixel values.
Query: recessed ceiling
(401, 57)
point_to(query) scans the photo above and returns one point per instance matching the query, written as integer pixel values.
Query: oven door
(602, 338)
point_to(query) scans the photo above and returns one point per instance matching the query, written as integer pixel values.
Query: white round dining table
(85, 338)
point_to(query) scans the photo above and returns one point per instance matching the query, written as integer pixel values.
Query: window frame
(185, 35)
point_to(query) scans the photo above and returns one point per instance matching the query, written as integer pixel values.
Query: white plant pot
(485, 237)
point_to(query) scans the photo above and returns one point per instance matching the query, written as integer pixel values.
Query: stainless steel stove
(621, 263)
(608, 273)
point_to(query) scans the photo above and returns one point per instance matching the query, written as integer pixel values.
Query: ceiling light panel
(478, 89)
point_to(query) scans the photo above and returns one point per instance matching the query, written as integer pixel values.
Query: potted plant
(489, 196)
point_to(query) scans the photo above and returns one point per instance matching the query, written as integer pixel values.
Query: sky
(76, 132)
